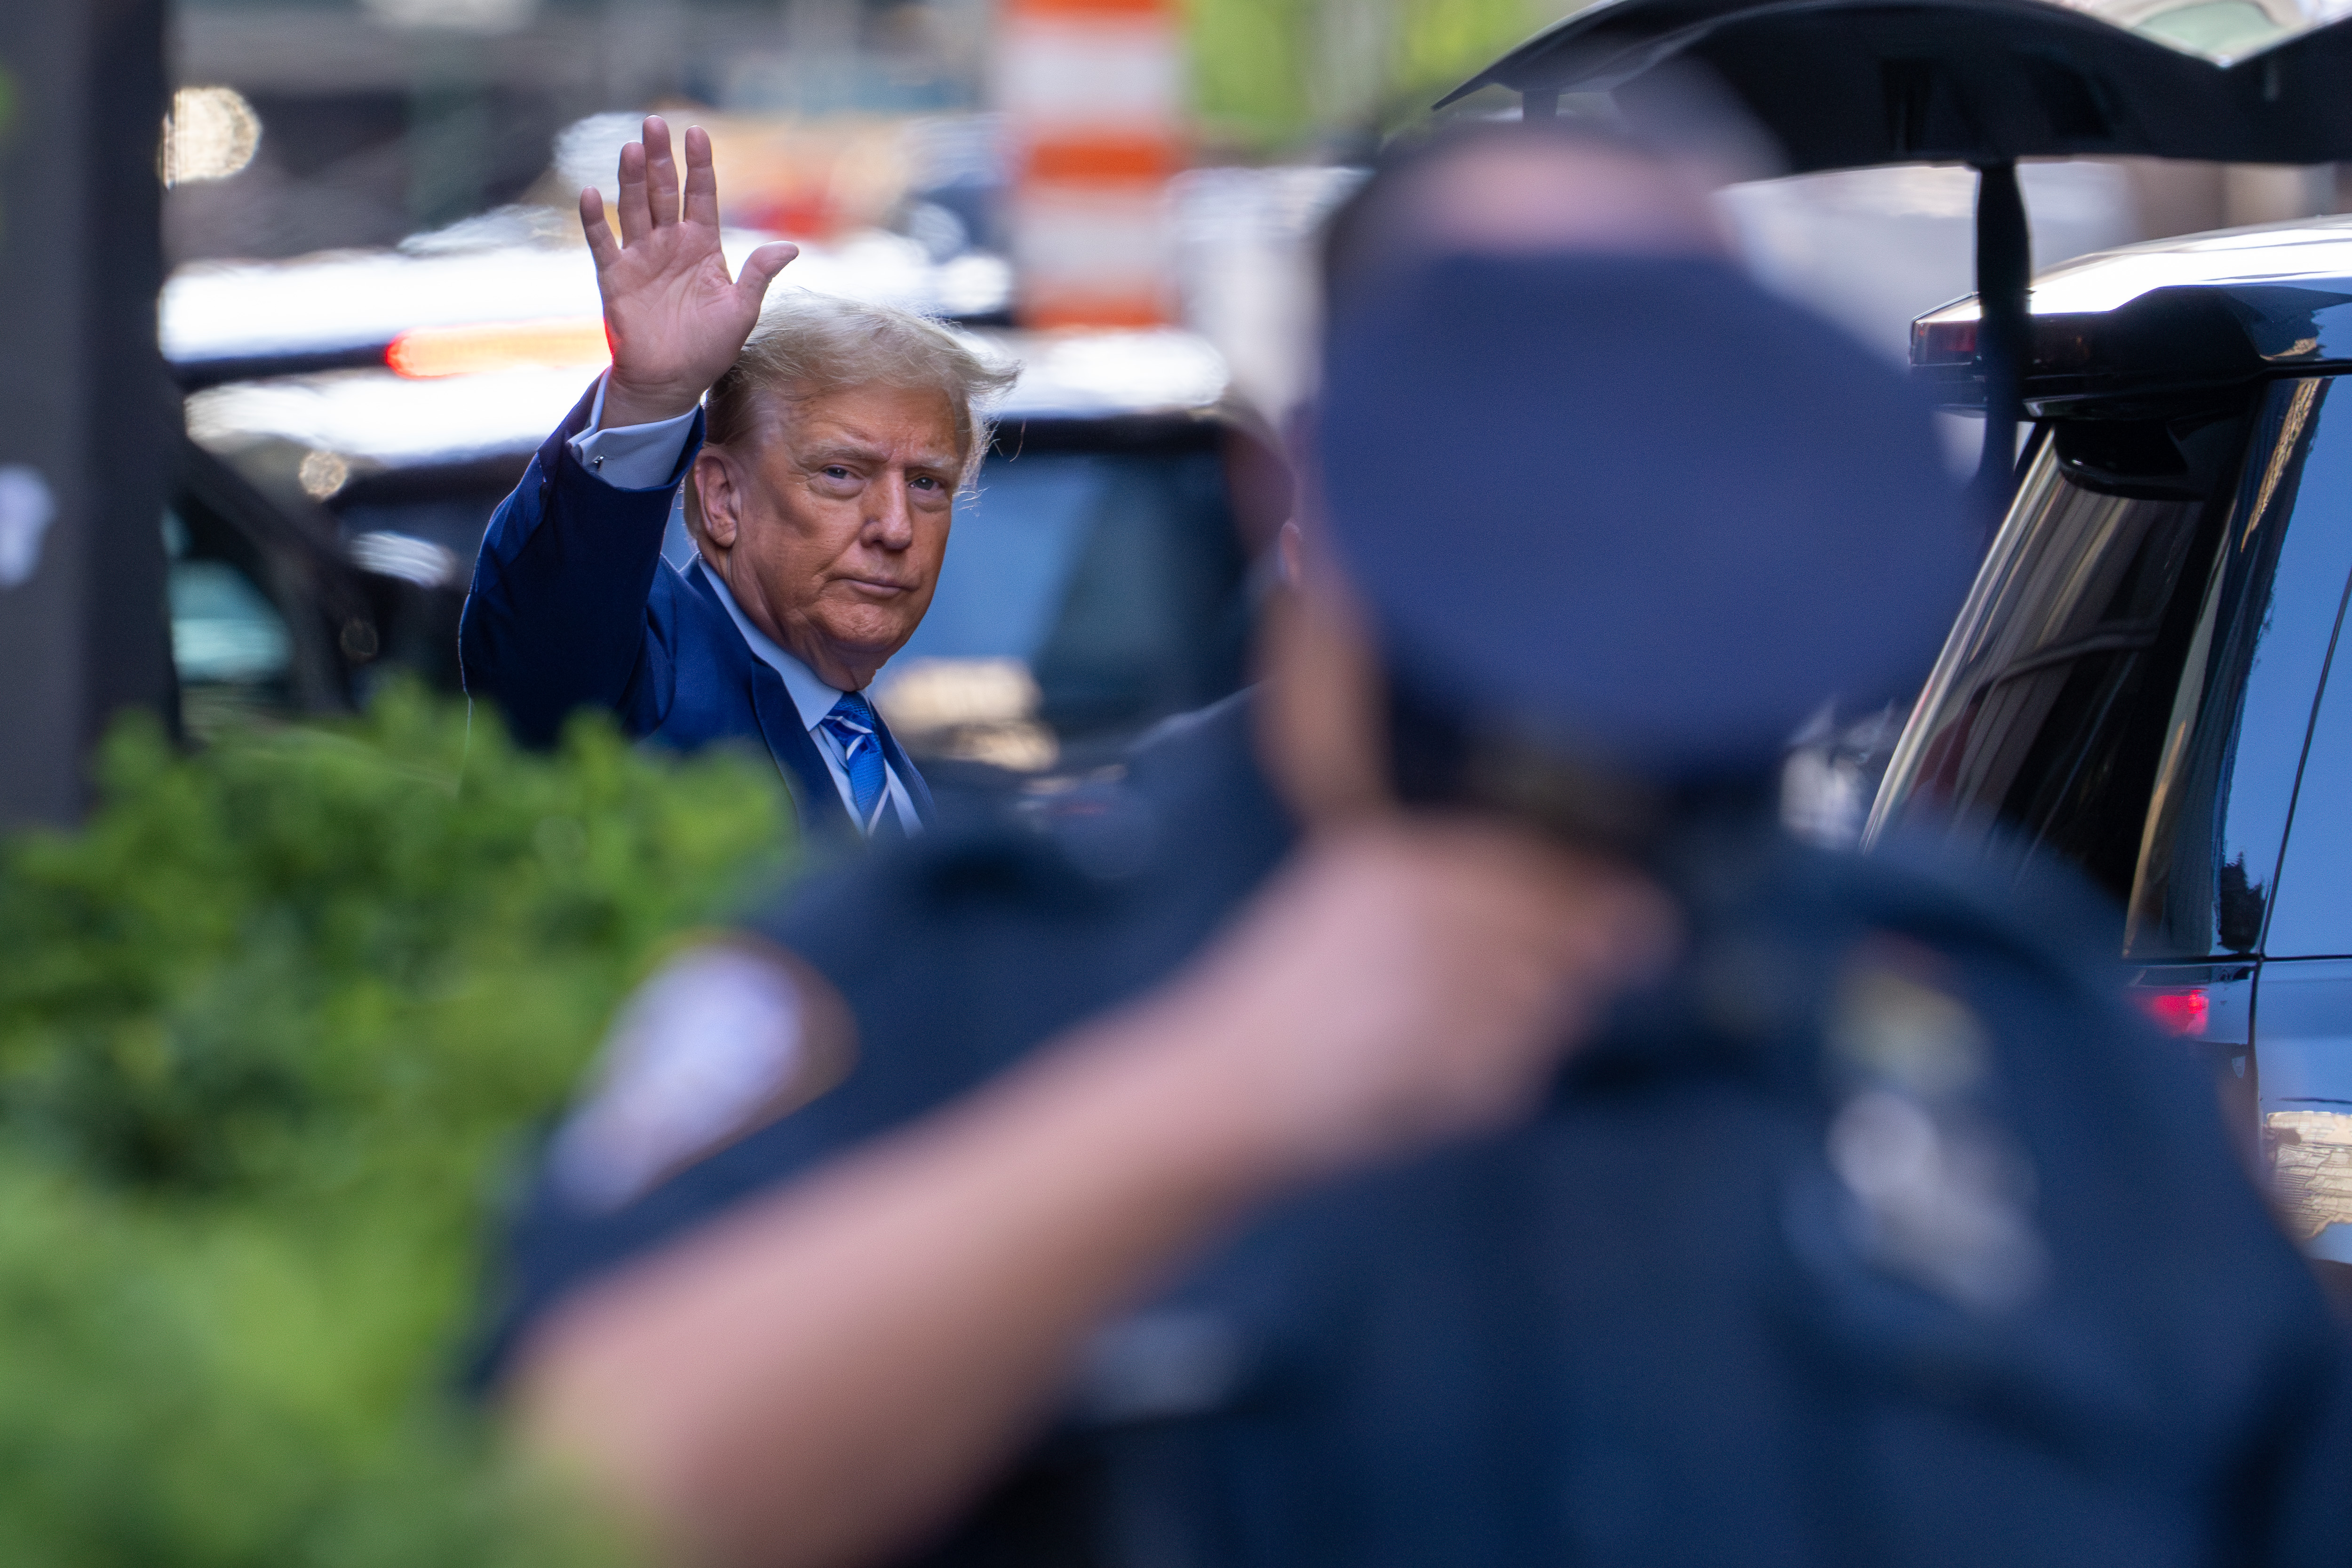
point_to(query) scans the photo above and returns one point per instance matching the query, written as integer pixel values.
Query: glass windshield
(1085, 594)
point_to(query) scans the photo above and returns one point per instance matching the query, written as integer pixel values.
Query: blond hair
(808, 344)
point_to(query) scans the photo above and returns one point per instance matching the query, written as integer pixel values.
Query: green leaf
(271, 1025)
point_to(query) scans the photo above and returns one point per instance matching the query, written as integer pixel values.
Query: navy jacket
(573, 606)
(1655, 1324)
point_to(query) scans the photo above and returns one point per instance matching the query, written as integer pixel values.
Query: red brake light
(1943, 342)
(427, 352)
(2182, 1012)
(2060, 344)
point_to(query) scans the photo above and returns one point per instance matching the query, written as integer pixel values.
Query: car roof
(1852, 83)
(2313, 253)
(381, 419)
(2198, 309)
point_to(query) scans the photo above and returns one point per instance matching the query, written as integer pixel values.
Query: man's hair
(808, 344)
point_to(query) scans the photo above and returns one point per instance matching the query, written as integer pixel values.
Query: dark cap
(1636, 506)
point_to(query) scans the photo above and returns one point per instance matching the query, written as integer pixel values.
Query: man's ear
(714, 501)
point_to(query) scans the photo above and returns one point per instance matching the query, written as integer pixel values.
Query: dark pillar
(2004, 328)
(88, 420)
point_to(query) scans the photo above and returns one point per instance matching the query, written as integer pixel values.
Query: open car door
(1844, 84)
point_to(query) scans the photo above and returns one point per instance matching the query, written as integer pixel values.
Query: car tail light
(2059, 343)
(1943, 342)
(2181, 1010)
(426, 351)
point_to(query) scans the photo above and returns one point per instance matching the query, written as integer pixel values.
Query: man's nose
(891, 525)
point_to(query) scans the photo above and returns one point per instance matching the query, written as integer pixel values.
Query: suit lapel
(821, 813)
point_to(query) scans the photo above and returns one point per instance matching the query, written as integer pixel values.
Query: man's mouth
(881, 589)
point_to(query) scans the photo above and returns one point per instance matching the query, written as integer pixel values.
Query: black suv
(2144, 680)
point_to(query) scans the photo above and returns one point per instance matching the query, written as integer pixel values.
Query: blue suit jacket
(572, 605)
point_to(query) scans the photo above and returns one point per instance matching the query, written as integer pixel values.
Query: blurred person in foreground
(1478, 1137)
(1486, 185)
(821, 474)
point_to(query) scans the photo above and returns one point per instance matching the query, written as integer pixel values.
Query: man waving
(822, 445)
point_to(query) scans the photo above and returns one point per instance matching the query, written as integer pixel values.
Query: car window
(429, 539)
(2211, 847)
(1084, 595)
(230, 644)
(1011, 554)
(2130, 687)
(2064, 662)
(2312, 917)
(223, 632)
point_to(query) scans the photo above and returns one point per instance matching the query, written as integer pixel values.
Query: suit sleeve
(556, 618)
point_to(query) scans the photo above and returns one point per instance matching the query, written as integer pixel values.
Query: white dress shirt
(640, 457)
(634, 456)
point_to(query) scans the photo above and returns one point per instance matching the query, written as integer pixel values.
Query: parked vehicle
(275, 610)
(2145, 682)
(2141, 682)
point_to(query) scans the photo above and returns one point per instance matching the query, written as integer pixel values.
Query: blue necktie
(852, 723)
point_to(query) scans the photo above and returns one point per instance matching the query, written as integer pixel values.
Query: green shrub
(273, 1027)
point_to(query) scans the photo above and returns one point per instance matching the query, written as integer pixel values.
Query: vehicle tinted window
(1083, 595)
(2313, 913)
(231, 647)
(2211, 849)
(2050, 717)
(2130, 684)
(441, 537)
(224, 630)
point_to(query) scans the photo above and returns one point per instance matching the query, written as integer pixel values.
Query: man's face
(829, 530)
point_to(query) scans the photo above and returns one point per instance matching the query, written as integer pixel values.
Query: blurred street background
(356, 124)
(373, 302)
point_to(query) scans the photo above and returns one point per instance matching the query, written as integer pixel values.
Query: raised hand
(674, 318)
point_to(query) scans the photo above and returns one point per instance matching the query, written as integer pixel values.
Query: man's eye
(925, 481)
(836, 471)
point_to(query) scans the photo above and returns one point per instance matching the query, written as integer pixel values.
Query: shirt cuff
(633, 456)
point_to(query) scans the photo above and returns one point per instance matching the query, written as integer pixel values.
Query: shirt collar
(812, 698)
